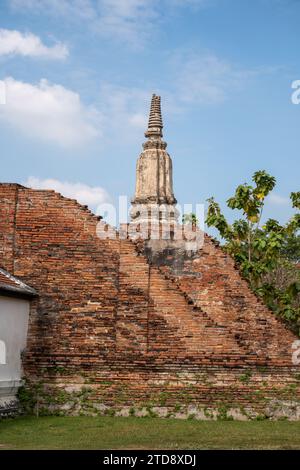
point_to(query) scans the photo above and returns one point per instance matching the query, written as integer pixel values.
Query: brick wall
(111, 318)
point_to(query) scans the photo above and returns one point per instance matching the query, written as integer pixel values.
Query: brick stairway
(194, 332)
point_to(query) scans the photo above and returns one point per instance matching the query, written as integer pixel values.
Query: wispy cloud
(49, 112)
(84, 9)
(278, 200)
(52, 113)
(124, 109)
(91, 196)
(202, 78)
(14, 42)
(205, 78)
(129, 20)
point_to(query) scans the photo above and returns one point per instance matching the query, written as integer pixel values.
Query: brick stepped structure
(132, 332)
(194, 333)
(132, 326)
(212, 282)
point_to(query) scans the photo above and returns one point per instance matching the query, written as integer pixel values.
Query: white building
(15, 299)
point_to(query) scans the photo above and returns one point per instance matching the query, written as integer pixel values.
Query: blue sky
(79, 75)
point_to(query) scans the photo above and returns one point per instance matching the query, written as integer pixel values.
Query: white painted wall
(14, 314)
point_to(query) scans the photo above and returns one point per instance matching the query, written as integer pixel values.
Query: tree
(190, 218)
(268, 255)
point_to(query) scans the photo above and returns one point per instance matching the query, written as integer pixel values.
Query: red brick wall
(211, 282)
(104, 313)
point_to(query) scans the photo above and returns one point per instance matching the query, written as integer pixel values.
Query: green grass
(145, 433)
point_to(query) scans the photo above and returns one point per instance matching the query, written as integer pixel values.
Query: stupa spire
(155, 123)
(154, 175)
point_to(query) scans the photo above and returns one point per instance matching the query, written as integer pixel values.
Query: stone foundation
(206, 393)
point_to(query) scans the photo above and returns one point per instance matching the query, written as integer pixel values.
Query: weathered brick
(110, 316)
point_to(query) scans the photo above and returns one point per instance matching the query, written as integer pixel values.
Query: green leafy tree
(190, 219)
(268, 254)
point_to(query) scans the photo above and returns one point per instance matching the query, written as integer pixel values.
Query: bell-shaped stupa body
(154, 197)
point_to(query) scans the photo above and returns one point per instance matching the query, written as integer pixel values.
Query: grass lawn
(145, 433)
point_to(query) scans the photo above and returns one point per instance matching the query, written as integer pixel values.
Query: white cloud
(124, 107)
(126, 19)
(53, 113)
(187, 3)
(84, 9)
(130, 20)
(278, 200)
(91, 196)
(49, 112)
(2, 93)
(205, 78)
(13, 42)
